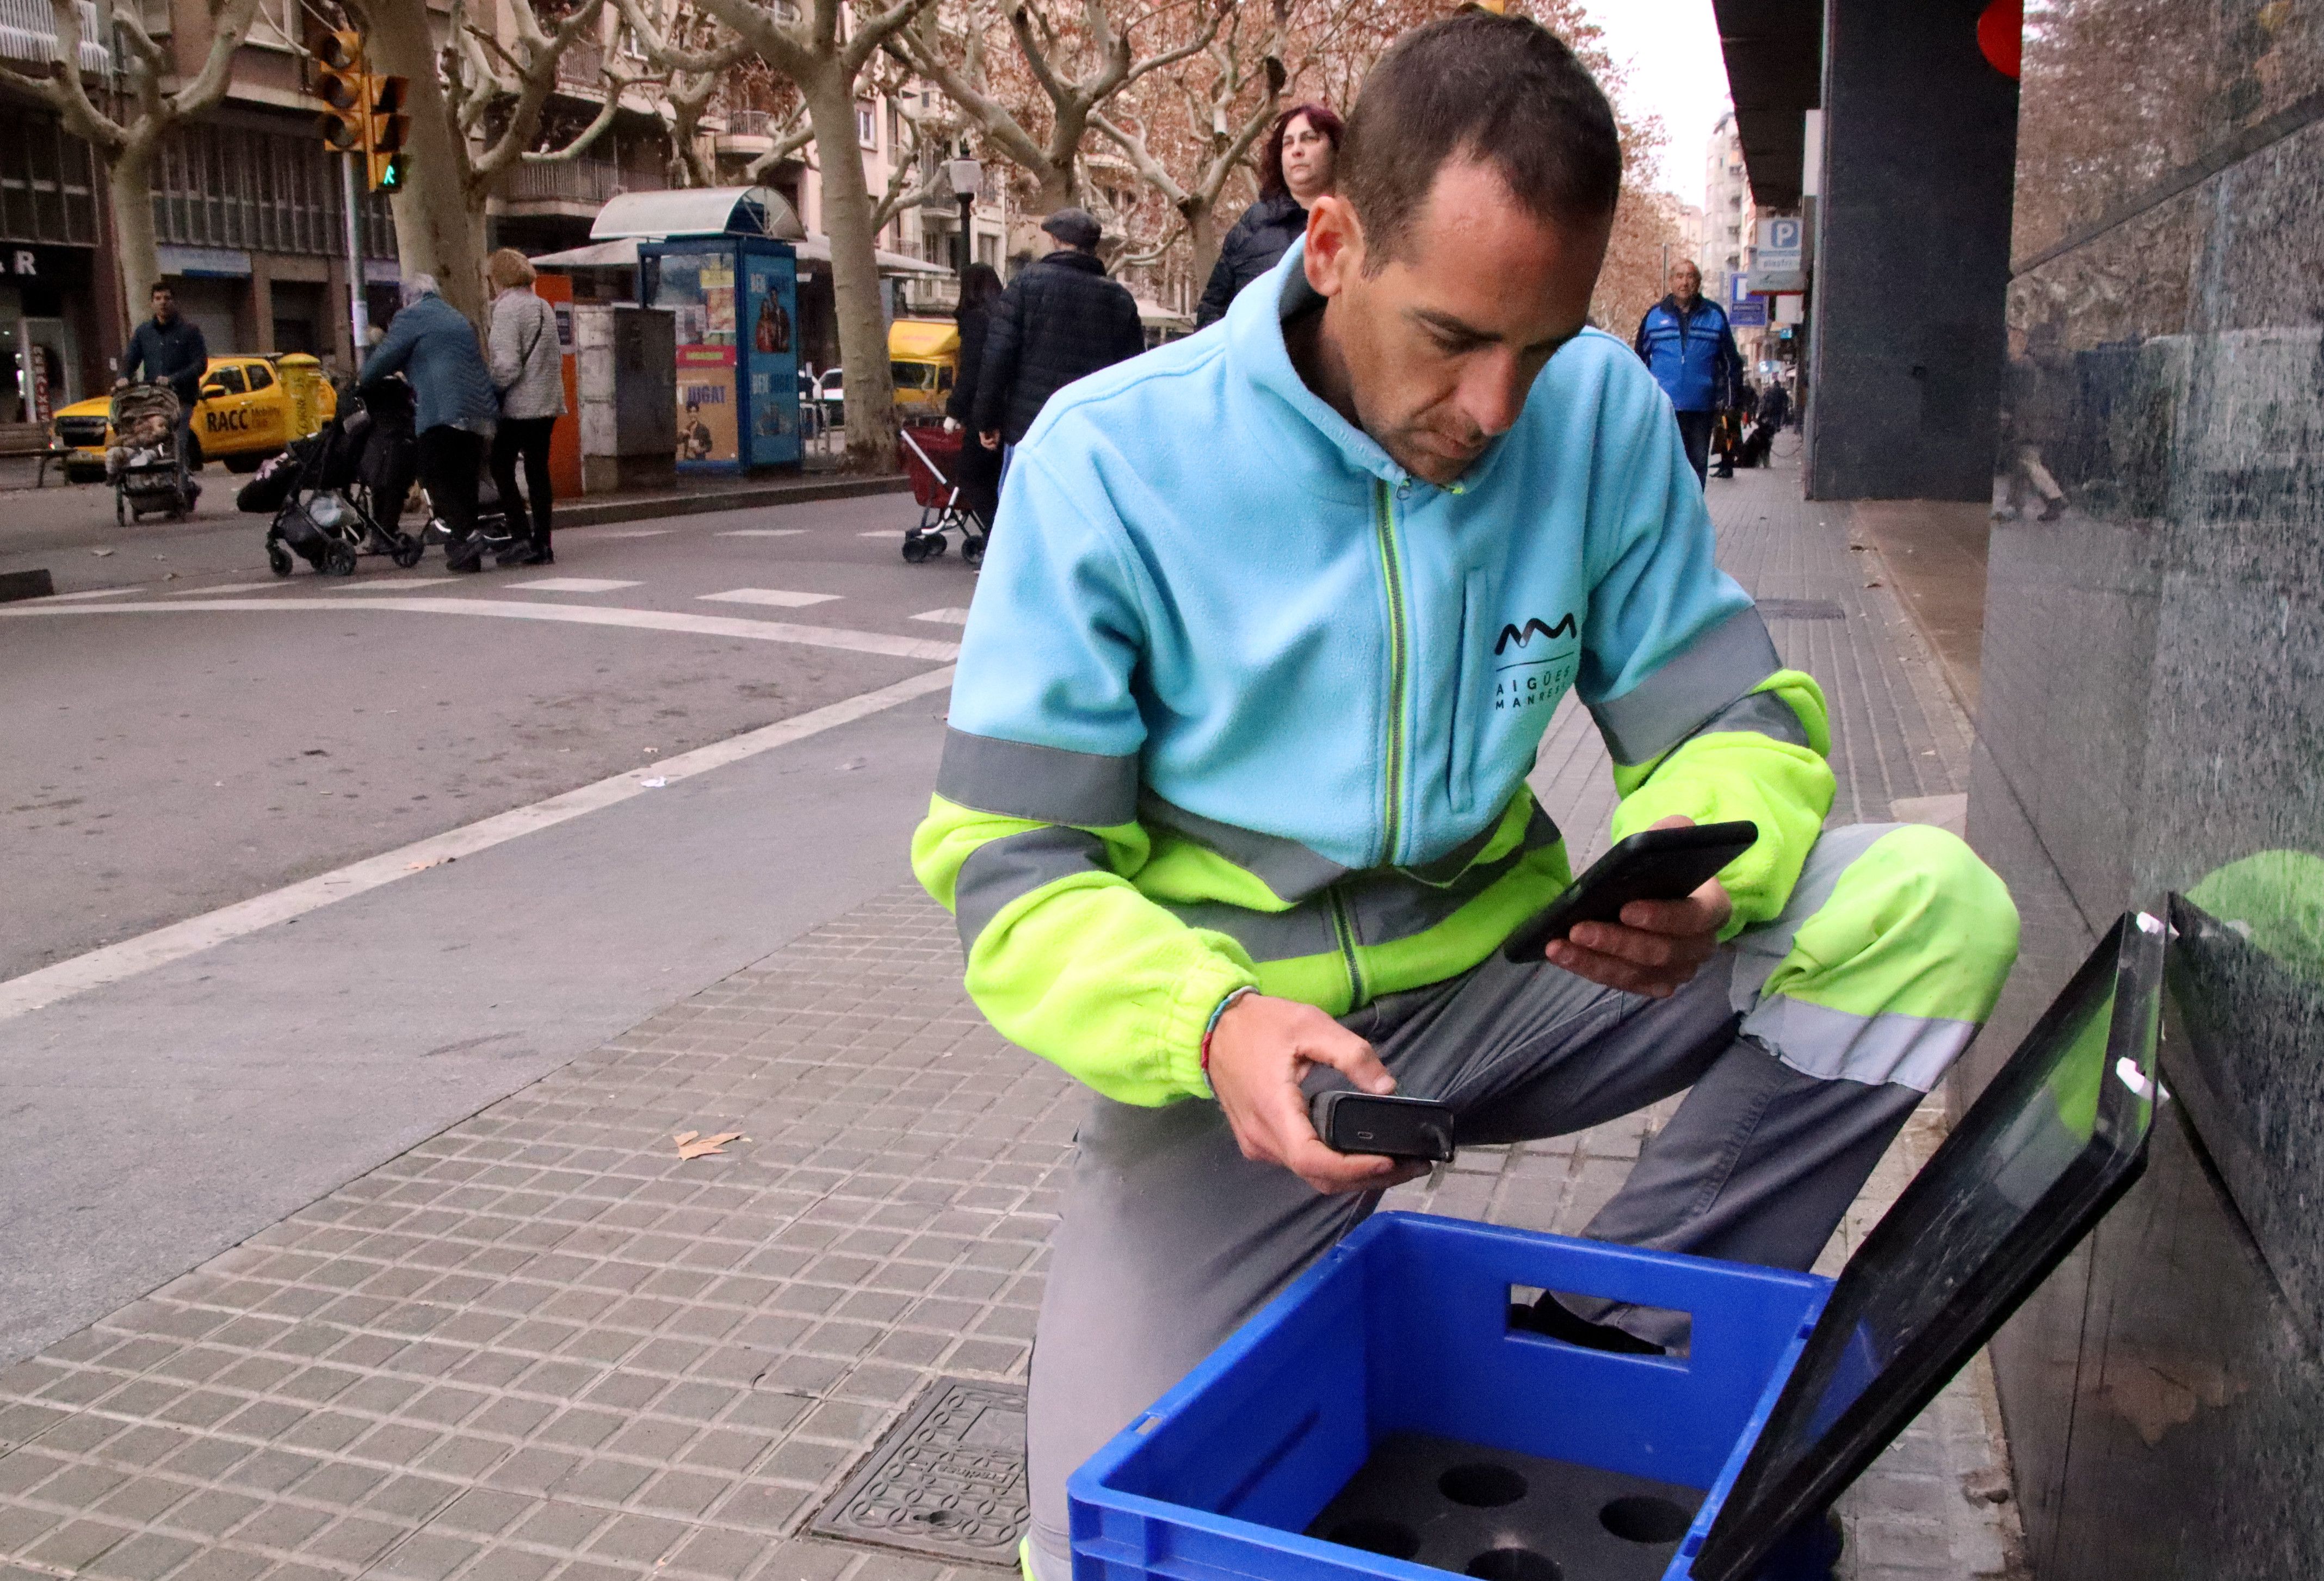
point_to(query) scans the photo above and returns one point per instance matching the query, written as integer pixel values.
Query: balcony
(582, 66)
(28, 31)
(584, 183)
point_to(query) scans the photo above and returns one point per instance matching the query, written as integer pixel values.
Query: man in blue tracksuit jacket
(1684, 339)
(1233, 803)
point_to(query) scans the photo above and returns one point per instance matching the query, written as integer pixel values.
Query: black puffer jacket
(1257, 243)
(1061, 319)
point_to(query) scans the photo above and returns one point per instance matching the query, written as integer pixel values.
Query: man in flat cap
(1060, 320)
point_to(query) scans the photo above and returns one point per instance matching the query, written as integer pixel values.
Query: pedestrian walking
(1295, 169)
(1233, 803)
(1775, 405)
(528, 369)
(979, 468)
(1060, 320)
(436, 349)
(1685, 341)
(169, 349)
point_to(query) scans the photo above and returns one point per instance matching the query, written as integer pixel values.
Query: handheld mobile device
(1400, 1128)
(1654, 864)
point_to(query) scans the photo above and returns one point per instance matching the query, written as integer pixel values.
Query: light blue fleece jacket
(1200, 566)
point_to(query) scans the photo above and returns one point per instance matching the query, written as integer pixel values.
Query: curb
(648, 507)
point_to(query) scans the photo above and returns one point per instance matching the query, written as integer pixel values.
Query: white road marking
(575, 614)
(943, 617)
(396, 585)
(59, 598)
(759, 532)
(572, 584)
(222, 587)
(885, 532)
(635, 532)
(767, 595)
(114, 963)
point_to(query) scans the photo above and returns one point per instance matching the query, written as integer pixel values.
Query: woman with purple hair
(1296, 170)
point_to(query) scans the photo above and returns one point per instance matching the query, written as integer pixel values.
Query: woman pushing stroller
(436, 351)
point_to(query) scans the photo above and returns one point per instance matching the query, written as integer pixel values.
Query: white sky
(1676, 72)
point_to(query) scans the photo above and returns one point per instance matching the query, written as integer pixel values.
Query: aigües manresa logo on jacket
(1528, 675)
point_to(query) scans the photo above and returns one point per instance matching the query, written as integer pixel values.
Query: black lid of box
(2048, 1148)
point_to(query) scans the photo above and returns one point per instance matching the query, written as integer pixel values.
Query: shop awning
(818, 248)
(622, 254)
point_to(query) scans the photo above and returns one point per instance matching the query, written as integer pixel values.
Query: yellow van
(924, 359)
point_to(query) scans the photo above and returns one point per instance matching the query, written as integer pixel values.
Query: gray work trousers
(1169, 1238)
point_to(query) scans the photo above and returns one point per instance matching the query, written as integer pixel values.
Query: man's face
(165, 306)
(1441, 346)
(1685, 282)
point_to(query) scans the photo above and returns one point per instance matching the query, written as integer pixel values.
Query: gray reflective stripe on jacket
(1382, 904)
(528, 367)
(1059, 788)
(1718, 669)
(1050, 785)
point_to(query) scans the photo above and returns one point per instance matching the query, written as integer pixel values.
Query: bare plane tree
(823, 47)
(1077, 66)
(127, 142)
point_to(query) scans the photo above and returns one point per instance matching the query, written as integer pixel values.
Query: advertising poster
(718, 302)
(771, 359)
(706, 437)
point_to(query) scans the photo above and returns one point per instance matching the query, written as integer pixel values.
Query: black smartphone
(1654, 864)
(1400, 1128)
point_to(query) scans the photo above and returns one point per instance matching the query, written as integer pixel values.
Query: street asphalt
(185, 746)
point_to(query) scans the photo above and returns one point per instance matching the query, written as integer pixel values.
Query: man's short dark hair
(1478, 86)
(161, 286)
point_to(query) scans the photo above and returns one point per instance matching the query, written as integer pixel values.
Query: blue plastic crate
(1402, 1328)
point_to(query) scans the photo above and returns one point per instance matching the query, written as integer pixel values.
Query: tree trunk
(1203, 237)
(129, 189)
(1059, 189)
(436, 231)
(855, 273)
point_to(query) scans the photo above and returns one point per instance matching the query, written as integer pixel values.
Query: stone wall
(2152, 721)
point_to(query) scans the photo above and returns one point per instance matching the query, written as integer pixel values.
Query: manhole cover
(1801, 609)
(949, 1479)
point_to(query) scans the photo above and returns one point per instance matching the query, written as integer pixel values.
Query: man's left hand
(1659, 945)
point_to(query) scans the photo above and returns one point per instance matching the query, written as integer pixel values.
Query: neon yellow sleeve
(1720, 775)
(1074, 963)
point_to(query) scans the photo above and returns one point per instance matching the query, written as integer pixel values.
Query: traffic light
(343, 90)
(385, 127)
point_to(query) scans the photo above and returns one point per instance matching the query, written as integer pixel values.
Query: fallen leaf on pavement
(695, 1147)
(683, 1138)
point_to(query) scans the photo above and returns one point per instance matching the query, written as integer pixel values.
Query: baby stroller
(931, 459)
(146, 461)
(321, 493)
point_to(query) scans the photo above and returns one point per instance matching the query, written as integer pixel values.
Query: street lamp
(965, 175)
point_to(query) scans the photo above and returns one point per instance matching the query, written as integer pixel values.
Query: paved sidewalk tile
(542, 1345)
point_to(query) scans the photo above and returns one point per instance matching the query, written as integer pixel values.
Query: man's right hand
(1259, 1051)
(990, 439)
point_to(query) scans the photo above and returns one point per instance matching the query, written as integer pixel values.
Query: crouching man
(1233, 803)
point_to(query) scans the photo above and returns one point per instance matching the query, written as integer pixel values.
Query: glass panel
(229, 377)
(262, 377)
(2056, 1137)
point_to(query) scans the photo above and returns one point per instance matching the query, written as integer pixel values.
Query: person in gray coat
(529, 371)
(436, 349)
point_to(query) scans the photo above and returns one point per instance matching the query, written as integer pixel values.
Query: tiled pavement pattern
(540, 1345)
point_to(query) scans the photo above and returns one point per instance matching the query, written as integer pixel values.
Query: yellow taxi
(250, 409)
(924, 356)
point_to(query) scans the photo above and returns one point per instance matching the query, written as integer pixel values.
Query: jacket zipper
(1392, 568)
